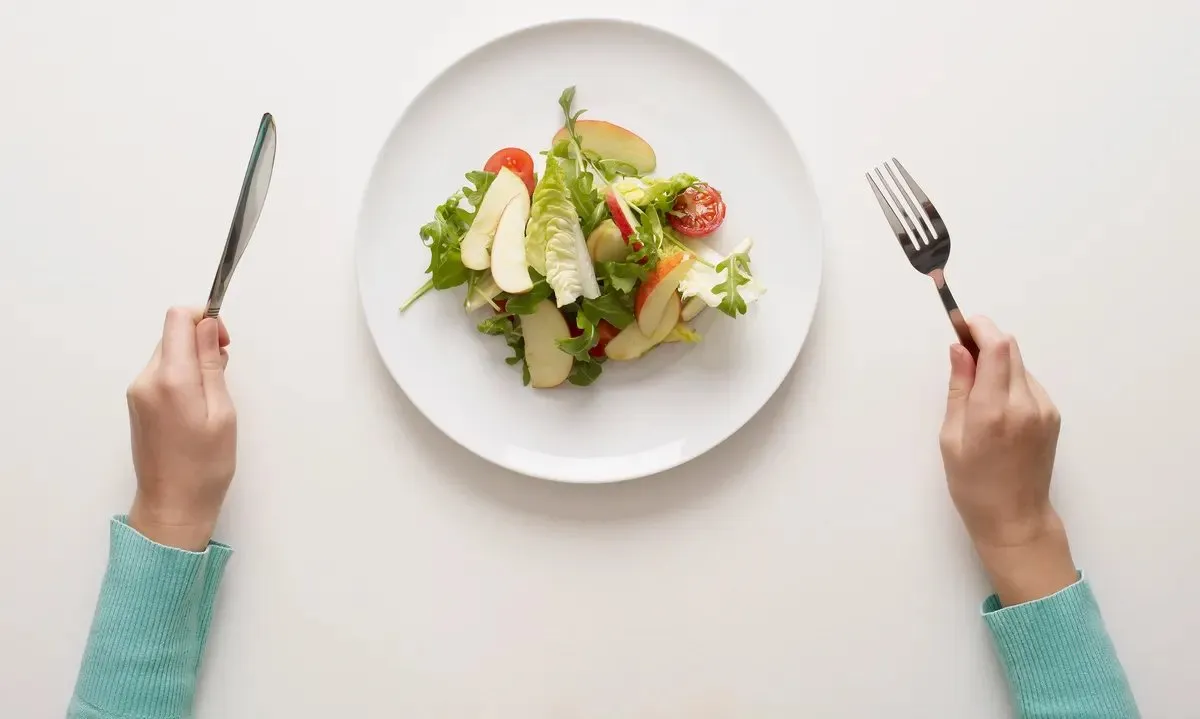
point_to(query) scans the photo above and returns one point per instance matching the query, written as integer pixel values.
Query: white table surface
(811, 566)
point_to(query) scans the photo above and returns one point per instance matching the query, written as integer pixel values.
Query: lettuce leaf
(554, 242)
(656, 192)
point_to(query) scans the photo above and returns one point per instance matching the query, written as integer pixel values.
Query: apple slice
(694, 306)
(657, 290)
(484, 292)
(682, 332)
(509, 266)
(478, 240)
(548, 365)
(632, 343)
(606, 244)
(621, 214)
(613, 142)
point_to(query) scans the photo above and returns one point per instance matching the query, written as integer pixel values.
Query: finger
(1041, 396)
(224, 358)
(962, 378)
(212, 363)
(994, 366)
(155, 359)
(1018, 384)
(179, 339)
(223, 334)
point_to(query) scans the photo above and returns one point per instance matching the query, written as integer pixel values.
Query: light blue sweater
(155, 605)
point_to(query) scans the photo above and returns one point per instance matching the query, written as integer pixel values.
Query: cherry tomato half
(515, 159)
(698, 211)
(605, 331)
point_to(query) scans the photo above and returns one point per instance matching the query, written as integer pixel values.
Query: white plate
(640, 417)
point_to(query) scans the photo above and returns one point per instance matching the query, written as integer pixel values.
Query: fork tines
(911, 215)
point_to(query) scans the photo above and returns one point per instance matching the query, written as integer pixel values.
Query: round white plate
(640, 417)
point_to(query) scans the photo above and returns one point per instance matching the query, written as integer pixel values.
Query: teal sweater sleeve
(149, 629)
(1058, 657)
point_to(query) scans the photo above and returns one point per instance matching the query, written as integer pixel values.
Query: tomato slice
(698, 211)
(515, 159)
(605, 331)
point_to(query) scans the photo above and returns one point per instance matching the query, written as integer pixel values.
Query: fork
(927, 245)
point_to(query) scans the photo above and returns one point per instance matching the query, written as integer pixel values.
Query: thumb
(212, 364)
(962, 379)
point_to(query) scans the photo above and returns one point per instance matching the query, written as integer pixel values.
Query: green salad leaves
(443, 236)
(577, 191)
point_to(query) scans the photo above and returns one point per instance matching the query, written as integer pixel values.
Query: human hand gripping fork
(924, 238)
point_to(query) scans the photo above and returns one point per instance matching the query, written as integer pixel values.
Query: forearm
(149, 630)
(1049, 633)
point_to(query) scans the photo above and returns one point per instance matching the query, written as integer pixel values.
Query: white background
(811, 566)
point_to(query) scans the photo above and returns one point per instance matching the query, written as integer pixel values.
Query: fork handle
(956, 316)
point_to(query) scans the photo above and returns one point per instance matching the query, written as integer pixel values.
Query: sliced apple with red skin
(548, 365)
(613, 142)
(605, 243)
(621, 214)
(632, 343)
(691, 308)
(510, 269)
(658, 289)
(477, 243)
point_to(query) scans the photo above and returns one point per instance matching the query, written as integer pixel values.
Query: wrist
(170, 528)
(1034, 568)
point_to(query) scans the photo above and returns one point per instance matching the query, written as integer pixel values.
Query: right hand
(183, 429)
(998, 444)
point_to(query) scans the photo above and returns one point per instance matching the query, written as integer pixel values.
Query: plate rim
(641, 471)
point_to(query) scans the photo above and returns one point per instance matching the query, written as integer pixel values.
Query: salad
(596, 260)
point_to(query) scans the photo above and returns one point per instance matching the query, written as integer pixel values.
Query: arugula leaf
(527, 302)
(575, 143)
(565, 100)
(578, 347)
(509, 327)
(615, 307)
(649, 233)
(585, 373)
(611, 169)
(737, 273)
(481, 181)
(621, 276)
(496, 325)
(589, 203)
(443, 236)
(581, 174)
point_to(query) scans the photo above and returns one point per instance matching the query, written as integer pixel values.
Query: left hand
(183, 429)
